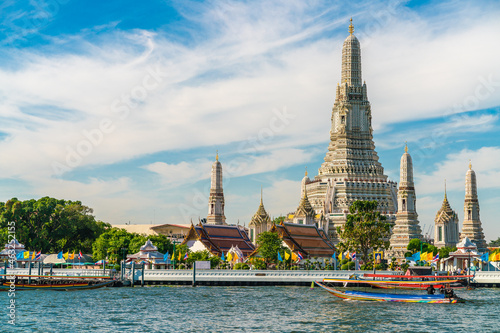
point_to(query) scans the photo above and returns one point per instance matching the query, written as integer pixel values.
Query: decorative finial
(470, 165)
(261, 194)
(306, 171)
(217, 155)
(406, 147)
(351, 28)
(445, 189)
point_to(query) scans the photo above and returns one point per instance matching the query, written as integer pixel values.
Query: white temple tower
(351, 170)
(446, 225)
(216, 198)
(260, 222)
(406, 226)
(472, 223)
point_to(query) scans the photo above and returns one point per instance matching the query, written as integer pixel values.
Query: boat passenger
(431, 290)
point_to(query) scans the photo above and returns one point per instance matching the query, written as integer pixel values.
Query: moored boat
(55, 284)
(384, 297)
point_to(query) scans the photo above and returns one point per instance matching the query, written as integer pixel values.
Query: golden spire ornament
(406, 147)
(351, 28)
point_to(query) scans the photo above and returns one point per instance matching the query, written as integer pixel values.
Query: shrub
(241, 265)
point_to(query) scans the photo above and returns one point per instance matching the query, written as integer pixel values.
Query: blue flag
(279, 257)
(222, 256)
(485, 257)
(165, 257)
(20, 255)
(60, 255)
(334, 255)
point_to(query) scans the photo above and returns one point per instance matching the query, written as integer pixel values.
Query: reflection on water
(242, 309)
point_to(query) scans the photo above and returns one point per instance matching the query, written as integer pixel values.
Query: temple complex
(216, 198)
(351, 170)
(445, 225)
(472, 223)
(406, 226)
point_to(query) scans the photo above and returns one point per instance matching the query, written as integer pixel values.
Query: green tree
(444, 252)
(495, 243)
(278, 220)
(364, 230)
(203, 256)
(51, 225)
(269, 243)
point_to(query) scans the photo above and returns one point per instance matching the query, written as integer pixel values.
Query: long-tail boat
(55, 282)
(383, 297)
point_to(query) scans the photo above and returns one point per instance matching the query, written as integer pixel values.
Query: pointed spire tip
(351, 28)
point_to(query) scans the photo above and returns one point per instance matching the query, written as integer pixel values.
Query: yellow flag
(423, 256)
(287, 255)
(235, 257)
(180, 256)
(229, 256)
(294, 256)
(33, 256)
(72, 256)
(66, 255)
(430, 256)
(26, 254)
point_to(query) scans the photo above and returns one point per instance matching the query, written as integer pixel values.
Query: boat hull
(50, 285)
(379, 297)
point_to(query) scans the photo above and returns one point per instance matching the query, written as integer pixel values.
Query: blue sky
(123, 105)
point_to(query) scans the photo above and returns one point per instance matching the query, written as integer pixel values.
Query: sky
(123, 105)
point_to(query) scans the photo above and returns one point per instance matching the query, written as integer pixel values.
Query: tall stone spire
(445, 225)
(472, 223)
(260, 221)
(351, 170)
(406, 226)
(216, 198)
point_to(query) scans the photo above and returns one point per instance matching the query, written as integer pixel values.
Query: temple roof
(445, 212)
(148, 247)
(466, 244)
(220, 238)
(305, 208)
(306, 238)
(260, 216)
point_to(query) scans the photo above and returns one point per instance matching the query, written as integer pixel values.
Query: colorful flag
(60, 255)
(33, 256)
(72, 256)
(353, 256)
(66, 255)
(334, 255)
(431, 257)
(287, 255)
(423, 256)
(165, 257)
(484, 257)
(222, 257)
(38, 255)
(80, 255)
(416, 256)
(26, 254)
(279, 257)
(20, 255)
(300, 255)
(294, 256)
(341, 256)
(229, 256)
(180, 256)
(235, 257)
(186, 256)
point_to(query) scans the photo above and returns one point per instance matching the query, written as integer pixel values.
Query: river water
(241, 309)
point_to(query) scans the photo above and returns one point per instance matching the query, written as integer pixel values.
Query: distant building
(472, 223)
(260, 222)
(446, 225)
(218, 239)
(406, 226)
(216, 198)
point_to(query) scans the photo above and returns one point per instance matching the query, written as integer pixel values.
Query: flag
(229, 256)
(235, 257)
(484, 257)
(165, 257)
(33, 256)
(294, 257)
(80, 255)
(334, 255)
(353, 256)
(180, 256)
(20, 255)
(416, 256)
(300, 255)
(279, 257)
(66, 255)
(26, 254)
(72, 256)
(186, 256)
(38, 255)
(430, 256)
(222, 257)
(436, 258)
(423, 256)
(60, 255)
(312, 285)
(348, 255)
(287, 255)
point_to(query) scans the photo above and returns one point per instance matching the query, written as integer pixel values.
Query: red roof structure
(220, 238)
(305, 238)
